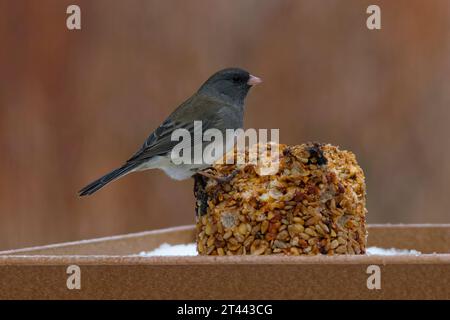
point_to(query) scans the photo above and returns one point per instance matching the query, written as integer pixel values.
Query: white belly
(180, 171)
(177, 172)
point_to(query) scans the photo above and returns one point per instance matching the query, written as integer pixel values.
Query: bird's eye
(236, 79)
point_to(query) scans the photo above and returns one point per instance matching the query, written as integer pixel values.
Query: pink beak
(253, 80)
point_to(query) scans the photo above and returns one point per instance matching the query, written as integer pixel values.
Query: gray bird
(219, 104)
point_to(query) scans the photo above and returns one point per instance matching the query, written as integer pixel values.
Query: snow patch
(191, 250)
(375, 251)
(172, 250)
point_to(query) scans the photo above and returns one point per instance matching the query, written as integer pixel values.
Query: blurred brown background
(75, 104)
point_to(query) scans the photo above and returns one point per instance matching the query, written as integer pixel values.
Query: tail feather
(107, 178)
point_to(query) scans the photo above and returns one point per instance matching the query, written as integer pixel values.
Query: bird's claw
(219, 179)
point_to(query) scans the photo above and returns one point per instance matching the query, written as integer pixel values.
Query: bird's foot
(219, 179)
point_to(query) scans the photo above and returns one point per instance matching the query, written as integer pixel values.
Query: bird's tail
(107, 178)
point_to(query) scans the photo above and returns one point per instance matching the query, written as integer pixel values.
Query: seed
(242, 228)
(319, 229)
(208, 229)
(227, 234)
(324, 227)
(283, 235)
(292, 231)
(258, 247)
(350, 249)
(341, 240)
(341, 249)
(256, 229)
(239, 237)
(264, 226)
(200, 247)
(249, 241)
(273, 227)
(210, 241)
(312, 221)
(228, 219)
(333, 203)
(270, 236)
(304, 236)
(280, 244)
(294, 241)
(220, 252)
(310, 232)
(295, 229)
(299, 220)
(334, 244)
(209, 250)
(303, 243)
(294, 251)
(233, 247)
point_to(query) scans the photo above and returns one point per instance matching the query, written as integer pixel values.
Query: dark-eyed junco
(218, 104)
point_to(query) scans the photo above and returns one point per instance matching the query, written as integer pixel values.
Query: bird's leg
(230, 177)
(206, 174)
(219, 179)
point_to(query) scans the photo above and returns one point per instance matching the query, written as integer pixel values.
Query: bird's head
(231, 84)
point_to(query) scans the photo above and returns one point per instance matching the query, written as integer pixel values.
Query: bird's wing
(160, 142)
(197, 108)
